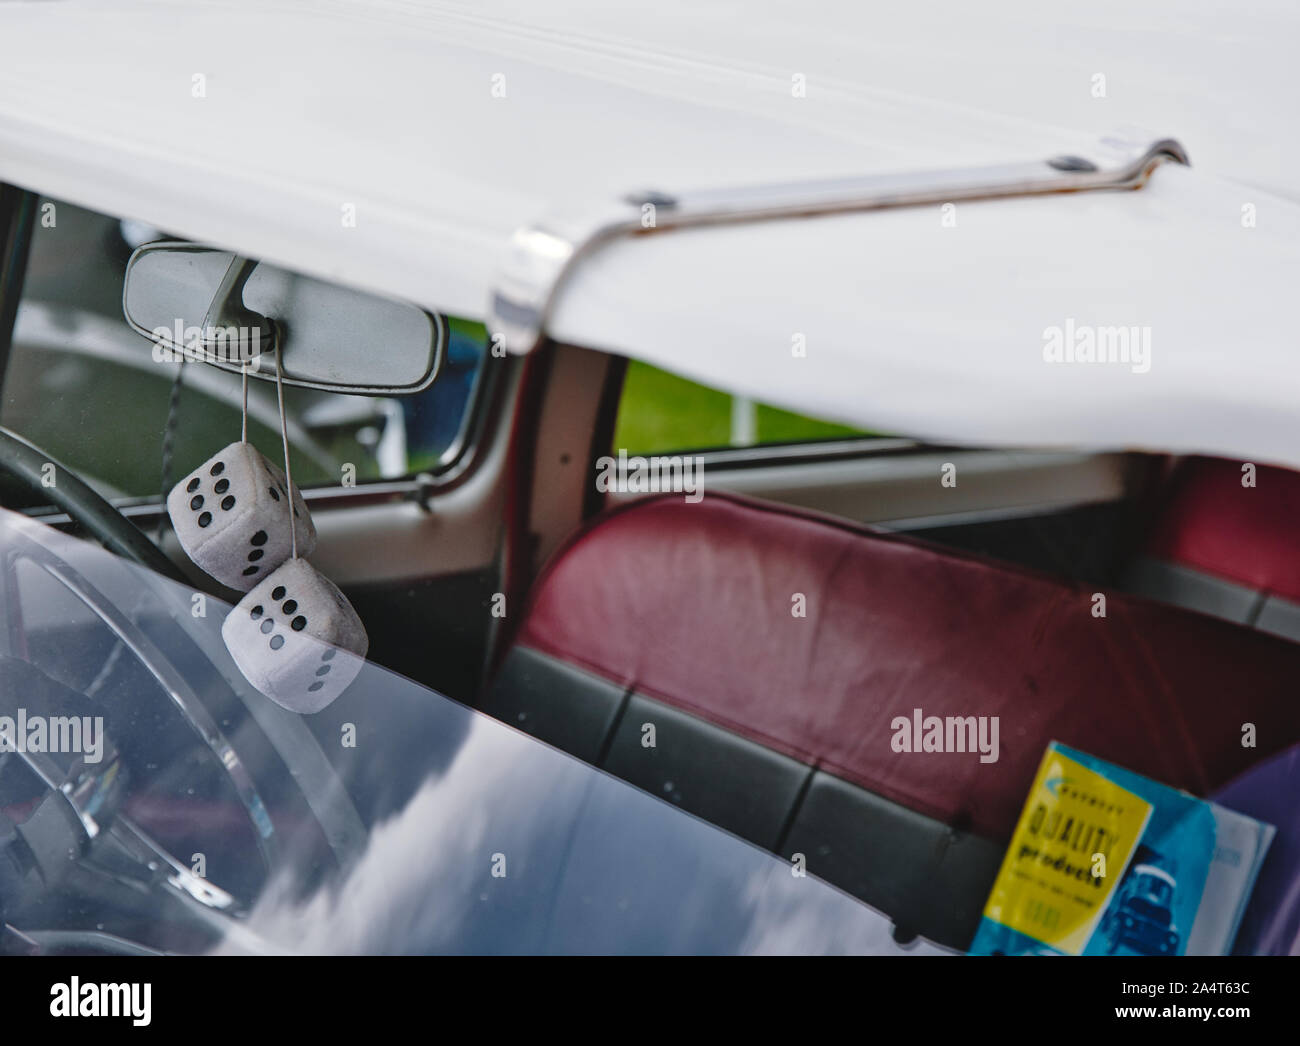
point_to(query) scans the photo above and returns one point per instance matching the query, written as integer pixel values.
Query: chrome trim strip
(807, 452)
(147, 513)
(544, 254)
(456, 465)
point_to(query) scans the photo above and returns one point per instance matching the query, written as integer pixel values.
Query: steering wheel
(30, 465)
(300, 776)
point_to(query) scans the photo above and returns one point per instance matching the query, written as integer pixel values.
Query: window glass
(82, 385)
(662, 413)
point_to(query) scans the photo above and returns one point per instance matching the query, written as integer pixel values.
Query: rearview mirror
(205, 304)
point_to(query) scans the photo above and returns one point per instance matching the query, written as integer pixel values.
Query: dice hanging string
(284, 439)
(243, 430)
(169, 438)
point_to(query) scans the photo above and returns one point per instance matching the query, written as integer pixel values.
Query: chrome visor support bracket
(544, 254)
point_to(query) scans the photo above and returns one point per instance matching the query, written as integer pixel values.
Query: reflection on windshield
(395, 821)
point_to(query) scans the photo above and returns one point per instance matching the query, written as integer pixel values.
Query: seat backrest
(760, 665)
(1224, 542)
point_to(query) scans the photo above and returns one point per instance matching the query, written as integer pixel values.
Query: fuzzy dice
(231, 516)
(296, 638)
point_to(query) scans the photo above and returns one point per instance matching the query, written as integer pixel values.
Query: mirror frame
(440, 331)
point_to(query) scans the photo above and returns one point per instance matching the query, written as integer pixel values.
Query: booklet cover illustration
(1107, 862)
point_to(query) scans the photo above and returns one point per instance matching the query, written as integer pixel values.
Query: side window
(662, 413)
(82, 385)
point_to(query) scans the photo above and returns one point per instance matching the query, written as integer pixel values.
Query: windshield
(150, 800)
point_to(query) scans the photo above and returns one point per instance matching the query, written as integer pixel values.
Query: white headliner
(932, 332)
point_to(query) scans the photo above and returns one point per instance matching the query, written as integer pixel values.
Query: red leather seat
(692, 605)
(664, 643)
(1211, 521)
(1225, 542)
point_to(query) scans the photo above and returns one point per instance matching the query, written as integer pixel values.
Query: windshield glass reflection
(192, 814)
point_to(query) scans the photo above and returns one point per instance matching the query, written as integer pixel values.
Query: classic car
(691, 406)
(1143, 916)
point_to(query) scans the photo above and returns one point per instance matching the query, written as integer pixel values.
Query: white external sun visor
(1162, 318)
(397, 147)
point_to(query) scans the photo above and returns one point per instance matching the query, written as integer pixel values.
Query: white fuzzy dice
(296, 638)
(231, 516)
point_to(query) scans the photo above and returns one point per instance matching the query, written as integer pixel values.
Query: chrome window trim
(804, 452)
(469, 447)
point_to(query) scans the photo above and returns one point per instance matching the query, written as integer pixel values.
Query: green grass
(661, 413)
(781, 426)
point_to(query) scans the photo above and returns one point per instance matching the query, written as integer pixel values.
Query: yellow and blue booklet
(1104, 861)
